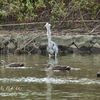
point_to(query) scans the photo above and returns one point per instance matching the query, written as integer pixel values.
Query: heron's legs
(52, 55)
(49, 55)
(55, 56)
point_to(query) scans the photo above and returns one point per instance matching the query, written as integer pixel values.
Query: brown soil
(79, 28)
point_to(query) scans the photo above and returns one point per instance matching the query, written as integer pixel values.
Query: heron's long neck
(49, 35)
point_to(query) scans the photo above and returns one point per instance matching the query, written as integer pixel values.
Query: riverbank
(16, 42)
(31, 38)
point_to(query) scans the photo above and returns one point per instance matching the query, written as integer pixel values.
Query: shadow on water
(34, 82)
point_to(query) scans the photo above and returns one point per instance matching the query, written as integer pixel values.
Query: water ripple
(51, 80)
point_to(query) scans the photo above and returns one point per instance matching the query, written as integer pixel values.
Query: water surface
(34, 82)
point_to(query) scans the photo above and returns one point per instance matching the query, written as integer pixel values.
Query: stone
(66, 43)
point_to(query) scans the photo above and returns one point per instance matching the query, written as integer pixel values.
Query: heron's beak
(44, 26)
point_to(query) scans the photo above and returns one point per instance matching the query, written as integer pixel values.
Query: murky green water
(33, 82)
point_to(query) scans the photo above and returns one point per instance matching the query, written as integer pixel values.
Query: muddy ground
(89, 27)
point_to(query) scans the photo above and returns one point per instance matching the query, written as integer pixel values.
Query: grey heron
(52, 47)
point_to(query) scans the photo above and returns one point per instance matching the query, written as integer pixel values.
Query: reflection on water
(54, 61)
(33, 82)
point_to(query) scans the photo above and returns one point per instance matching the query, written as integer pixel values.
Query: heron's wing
(54, 47)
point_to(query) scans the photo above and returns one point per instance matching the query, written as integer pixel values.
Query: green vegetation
(48, 10)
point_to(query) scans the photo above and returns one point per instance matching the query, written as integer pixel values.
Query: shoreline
(37, 42)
